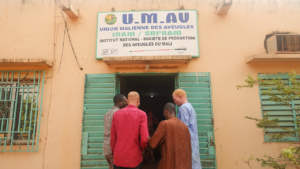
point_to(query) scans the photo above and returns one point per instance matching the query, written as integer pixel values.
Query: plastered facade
(35, 29)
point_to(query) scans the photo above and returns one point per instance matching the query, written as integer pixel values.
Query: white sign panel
(147, 33)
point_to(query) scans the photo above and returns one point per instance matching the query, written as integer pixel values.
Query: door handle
(211, 141)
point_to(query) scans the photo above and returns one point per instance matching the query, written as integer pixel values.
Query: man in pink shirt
(129, 135)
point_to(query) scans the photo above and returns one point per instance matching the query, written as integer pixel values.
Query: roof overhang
(176, 59)
(25, 63)
(264, 58)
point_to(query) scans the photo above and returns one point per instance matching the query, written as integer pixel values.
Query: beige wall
(35, 28)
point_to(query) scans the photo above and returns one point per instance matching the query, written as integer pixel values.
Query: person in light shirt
(187, 115)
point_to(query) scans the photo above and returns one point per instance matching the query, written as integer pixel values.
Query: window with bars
(286, 116)
(288, 43)
(20, 110)
(283, 44)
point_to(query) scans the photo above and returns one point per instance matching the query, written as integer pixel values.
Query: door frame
(118, 75)
(176, 83)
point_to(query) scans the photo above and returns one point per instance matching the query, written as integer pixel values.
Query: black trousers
(137, 167)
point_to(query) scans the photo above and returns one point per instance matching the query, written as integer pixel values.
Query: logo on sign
(110, 19)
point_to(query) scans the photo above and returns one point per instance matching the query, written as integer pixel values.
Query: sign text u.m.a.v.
(147, 33)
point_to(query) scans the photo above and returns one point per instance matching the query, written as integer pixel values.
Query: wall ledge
(26, 62)
(264, 58)
(176, 59)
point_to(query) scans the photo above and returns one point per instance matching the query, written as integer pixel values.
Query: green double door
(99, 90)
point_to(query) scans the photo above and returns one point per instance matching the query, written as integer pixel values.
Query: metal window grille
(288, 43)
(20, 110)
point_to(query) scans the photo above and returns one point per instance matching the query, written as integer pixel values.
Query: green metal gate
(198, 89)
(99, 91)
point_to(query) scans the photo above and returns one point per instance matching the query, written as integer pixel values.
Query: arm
(144, 134)
(159, 136)
(184, 115)
(113, 137)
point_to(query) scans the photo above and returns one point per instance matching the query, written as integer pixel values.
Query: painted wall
(35, 29)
